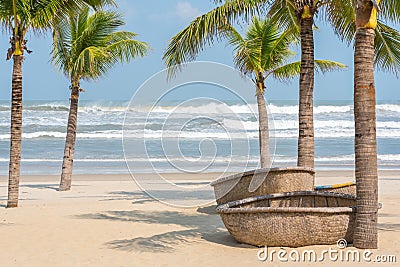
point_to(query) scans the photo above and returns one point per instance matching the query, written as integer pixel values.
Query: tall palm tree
(366, 233)
(376, 43)
(305, 10)
(86, 47)
(299, 15)
(262, 52)
(20, 16)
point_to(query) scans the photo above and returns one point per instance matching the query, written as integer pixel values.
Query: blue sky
(156, 22)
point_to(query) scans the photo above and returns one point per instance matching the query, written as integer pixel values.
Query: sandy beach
(145, 104)
(107, 221)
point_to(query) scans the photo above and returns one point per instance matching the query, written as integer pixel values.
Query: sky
(156, 22)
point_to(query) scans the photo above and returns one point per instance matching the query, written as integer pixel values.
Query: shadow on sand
(41, 186)
(135, 197)
(203, 224)
(46, 186)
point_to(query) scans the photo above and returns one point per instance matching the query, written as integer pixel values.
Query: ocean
(200, 138)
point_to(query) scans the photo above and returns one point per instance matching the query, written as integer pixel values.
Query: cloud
(186, 11)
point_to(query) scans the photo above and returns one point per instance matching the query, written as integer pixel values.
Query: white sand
(108, 221)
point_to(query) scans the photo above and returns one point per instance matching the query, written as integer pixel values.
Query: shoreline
(210, 176)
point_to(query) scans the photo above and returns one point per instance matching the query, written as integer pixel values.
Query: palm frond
(387, 48)
(39, 15)
(282, 13)
(341, 15)
(286, 72)
(61, 41)
(99, 4)
(126, 50)
(242, 59)
(390, 10)
(87, 46)
(204, 30)
(279, 50)
(324, 66)
(89, 63)
(232, 36)
(262, 35)
(262, 48)
(292, 70)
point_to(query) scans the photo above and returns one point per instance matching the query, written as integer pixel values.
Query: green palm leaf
(264, 50)
(387, 48)
(292, 70)
(87, 46)
(282, 13)
(40, 14)
(341, 15)
(324, 66)
(262, 47)
(390, 10)
(205, 29)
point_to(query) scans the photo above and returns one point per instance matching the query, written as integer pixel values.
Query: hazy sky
(156, 22)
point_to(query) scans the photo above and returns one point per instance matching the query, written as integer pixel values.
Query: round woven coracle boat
(262, 182)
(291, 219)
(345, 188)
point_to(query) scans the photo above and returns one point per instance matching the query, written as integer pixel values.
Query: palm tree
(366, 233)
(305, 10)
(262, 52)
(376, 43)
(86, 47)
(299, 15)
(20, 16)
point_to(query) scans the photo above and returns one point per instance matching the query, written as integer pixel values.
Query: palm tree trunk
(69, 149)
(366, 169)
(306, 120)
(16, 133)
(263, 136)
